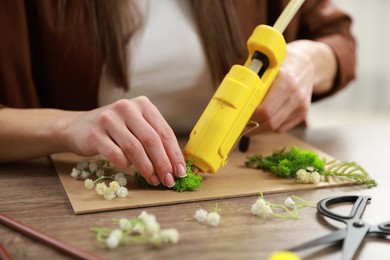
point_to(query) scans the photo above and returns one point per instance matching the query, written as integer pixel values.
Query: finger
(115, 128)
(169, 142)
(268, 113)
(147, 135)
(275, 121)
(293, 120)
(110, 150)
(166, 135)
(152, 144)
(134, 151)
(276, 97)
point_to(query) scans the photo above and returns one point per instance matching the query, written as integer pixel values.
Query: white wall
(367, 99)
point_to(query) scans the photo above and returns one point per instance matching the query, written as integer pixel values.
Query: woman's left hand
(288, 100)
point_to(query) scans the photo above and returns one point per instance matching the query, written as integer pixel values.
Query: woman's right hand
(129, 131)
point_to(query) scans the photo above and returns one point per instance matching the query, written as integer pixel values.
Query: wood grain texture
(32, 193)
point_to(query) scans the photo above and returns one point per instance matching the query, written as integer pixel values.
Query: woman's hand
(309, 67)
(128, 132)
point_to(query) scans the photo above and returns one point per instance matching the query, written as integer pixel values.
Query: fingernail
(169, 181)
(181, 171)
(154, 180)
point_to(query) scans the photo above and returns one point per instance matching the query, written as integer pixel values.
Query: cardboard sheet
(232, 180)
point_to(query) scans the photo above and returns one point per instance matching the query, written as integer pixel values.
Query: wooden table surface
(32, 194)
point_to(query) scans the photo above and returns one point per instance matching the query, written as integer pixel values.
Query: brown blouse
(40, 67)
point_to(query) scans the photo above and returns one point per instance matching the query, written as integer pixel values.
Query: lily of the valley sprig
(100, 166)
(143, 229)
(116, 187)
(209, 218)
(102, 170)
(288, 210)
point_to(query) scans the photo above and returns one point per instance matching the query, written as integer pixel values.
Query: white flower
(125, 224)
(101, 188)
(82, 165)
(109, 194)
(255, 209)
(99, 173)
(122, 192)
(75, 173)
(315, 177)
(114, 238)
(310, 168)
(93, 166)
(201, 215)
(84, 174)
(89, 184)
(261, 208)
(169, 235)
(114, 186)
(213, 218)
(138, 228)
(151, 224)
(121, 179)
(303, 176)
(209, 218)
(289, 202)
(308, 177)
(119, 175)
(152, 227)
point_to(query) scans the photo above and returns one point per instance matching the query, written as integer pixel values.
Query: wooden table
(32, 194)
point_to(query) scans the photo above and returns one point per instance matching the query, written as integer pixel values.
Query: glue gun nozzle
(195, 170)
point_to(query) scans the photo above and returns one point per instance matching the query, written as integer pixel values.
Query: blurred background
(367, 99)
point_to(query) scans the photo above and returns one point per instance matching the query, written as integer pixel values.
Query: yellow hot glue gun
(240, 93)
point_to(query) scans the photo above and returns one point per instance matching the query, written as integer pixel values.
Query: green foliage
(349, 170)
(286, 163)
(189, 183)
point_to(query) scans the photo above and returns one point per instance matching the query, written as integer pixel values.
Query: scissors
(355, 231)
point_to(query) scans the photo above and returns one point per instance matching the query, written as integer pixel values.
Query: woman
(120, 78)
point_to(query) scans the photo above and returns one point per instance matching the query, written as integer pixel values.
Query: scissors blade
(354, 238)
(327, 239)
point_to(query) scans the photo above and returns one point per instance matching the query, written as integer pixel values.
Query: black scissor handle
(385, 226)
(360, 203)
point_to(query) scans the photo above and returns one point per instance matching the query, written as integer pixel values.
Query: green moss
(189, 183)
(286, 163)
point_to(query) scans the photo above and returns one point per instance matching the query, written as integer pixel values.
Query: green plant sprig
(143, 229)
(288, 214)
(302, 203)
(285, 163)
(350, 170)
(288, 210)
(128, 235)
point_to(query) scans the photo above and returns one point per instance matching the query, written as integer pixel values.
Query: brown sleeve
(323, 21)
(41, 66)
(16, 83)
